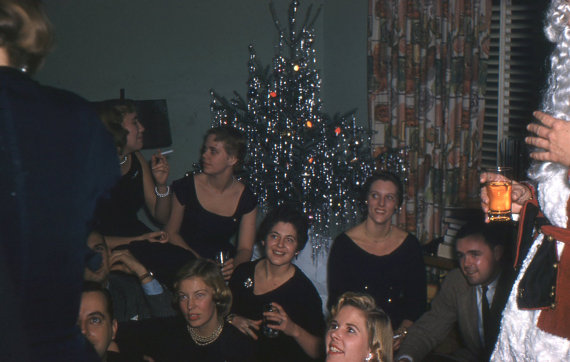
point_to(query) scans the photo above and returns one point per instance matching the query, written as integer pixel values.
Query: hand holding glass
(222, 257)
(266, 326)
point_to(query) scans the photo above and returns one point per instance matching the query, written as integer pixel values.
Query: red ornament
(311, 160)
(337, 131)
(273, 94)
(309, 124)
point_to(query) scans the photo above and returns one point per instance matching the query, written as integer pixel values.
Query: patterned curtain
(426, 79)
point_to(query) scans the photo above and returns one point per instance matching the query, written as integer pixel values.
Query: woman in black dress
(211, 207)
(140, 184)
(294, 320)
(380, 259)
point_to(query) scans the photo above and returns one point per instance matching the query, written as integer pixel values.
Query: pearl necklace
(123, 161)
(204, 341)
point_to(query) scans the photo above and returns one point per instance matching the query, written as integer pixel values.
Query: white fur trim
(519, 338)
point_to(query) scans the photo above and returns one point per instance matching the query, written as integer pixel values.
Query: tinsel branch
(296, 153)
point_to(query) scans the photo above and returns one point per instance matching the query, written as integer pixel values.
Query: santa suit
(536, 320)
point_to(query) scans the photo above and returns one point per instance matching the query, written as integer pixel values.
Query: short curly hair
(25, 33)
(210, 273)
(234, 141)
(288, 214)
(112, 113)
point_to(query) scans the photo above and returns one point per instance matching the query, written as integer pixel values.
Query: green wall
(179, 50)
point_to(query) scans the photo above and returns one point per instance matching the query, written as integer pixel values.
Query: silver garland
(296, 153)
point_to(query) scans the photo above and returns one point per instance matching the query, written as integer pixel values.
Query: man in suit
(136, 294)
(472, 295)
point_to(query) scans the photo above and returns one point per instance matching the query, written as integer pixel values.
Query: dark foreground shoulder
(238, 346)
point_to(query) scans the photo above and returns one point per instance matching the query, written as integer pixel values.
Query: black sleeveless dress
(117, 214)
(205, 232)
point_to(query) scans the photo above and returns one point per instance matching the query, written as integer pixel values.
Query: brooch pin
(248, 283)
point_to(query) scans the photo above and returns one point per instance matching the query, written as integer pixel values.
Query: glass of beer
(499, 192)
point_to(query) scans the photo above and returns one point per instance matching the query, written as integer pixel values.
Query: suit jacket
(457, 302)
(131, 303)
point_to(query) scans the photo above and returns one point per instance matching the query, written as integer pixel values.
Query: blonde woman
(201, 334)
(358, 331)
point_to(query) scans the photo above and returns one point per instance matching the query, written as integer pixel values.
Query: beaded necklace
(204, 341)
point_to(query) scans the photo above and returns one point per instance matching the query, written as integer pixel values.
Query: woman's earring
(369, 357)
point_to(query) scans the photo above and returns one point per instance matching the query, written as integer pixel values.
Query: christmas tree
(296, 153)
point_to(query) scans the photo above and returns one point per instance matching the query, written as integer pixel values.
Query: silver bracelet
(164, 194)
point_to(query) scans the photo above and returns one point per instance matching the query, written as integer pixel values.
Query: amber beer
(499, 200)
(499, 193)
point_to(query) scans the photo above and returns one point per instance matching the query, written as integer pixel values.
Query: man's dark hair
(89, 286)
(493, 234)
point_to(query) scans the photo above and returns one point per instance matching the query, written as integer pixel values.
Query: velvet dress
(205, 232)
(396, 281)
(116, 215)
(168, 340)
(299, 299)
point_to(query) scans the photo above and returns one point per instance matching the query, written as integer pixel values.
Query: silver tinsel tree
(297, 154)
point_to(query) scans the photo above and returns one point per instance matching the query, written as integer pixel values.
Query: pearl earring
(369, 357)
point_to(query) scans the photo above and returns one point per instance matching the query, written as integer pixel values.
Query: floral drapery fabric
(426, 80)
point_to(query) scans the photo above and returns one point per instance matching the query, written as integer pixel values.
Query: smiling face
(196, 302)
(479, 263)
(281, 243)
(382, 201)
(95, 321)
(215, 158)
(347, 336)
(135, 136)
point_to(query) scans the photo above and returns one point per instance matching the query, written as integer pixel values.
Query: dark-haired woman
(380, 259)
(211, 207)
(295, 314)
